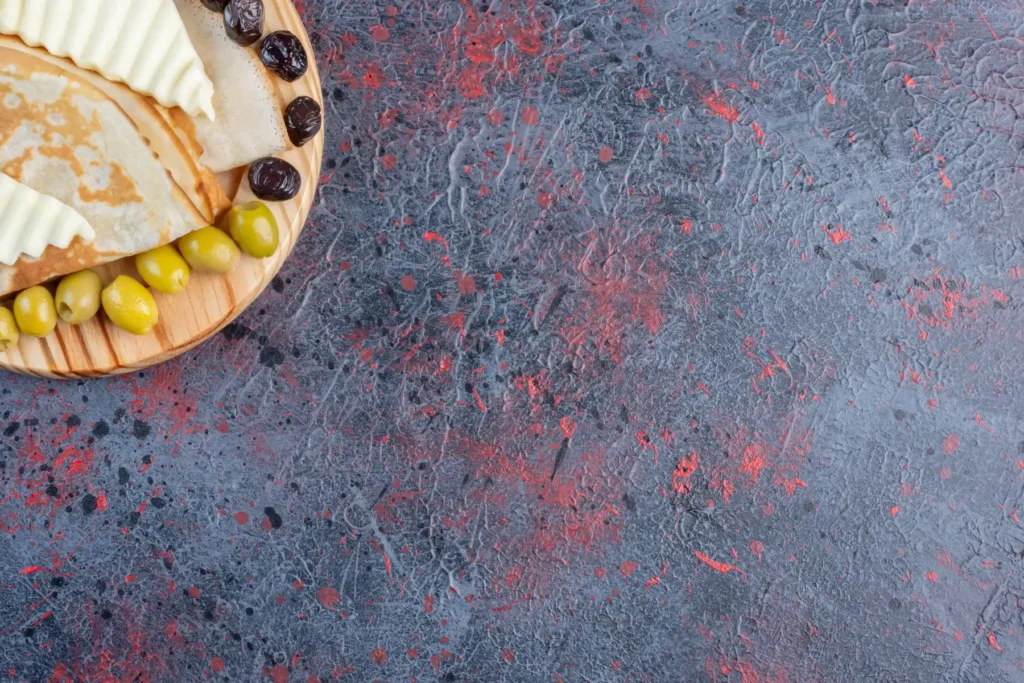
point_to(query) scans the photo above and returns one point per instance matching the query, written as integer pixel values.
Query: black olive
(273, 179)
(303, 119)
(243, 20)
(282, 53)
(215, 5)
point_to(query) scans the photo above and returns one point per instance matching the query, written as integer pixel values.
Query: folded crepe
(101, 149)
(142, 43)
(245, 96)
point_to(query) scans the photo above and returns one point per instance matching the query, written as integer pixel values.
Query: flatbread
(245, 96)
(122, 168)
(180, 159)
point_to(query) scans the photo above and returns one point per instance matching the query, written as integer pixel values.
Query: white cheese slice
(30, 222)
(141, 43)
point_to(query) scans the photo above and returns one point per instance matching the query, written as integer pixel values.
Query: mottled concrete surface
(629, 340)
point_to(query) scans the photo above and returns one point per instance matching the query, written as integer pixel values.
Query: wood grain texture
(98, 348)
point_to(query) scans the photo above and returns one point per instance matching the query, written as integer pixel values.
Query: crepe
(106, 152)
(245, 96)
(142, 43)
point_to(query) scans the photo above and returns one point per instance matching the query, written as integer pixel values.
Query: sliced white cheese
(31, 221)
(142, 43)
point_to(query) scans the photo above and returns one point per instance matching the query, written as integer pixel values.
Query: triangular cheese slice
(30, 222)
(142, 43)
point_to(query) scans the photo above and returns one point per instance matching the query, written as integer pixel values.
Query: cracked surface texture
(628, 340)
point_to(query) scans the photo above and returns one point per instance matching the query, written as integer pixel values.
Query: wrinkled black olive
(282, 52)
(215, 5)
(243, 20)
(273, 179)
(303, 119)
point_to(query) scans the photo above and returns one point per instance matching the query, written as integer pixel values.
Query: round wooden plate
(210, 302)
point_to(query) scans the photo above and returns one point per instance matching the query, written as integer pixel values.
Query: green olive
(254, 227)
(35, 312)
(8, 330)
(163, 269)
(78, 297)
(210, 249)
(130, 306)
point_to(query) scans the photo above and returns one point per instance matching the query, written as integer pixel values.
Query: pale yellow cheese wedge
(142, 43)
(30, 222)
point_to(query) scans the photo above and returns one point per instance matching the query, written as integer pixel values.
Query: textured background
(629, 340)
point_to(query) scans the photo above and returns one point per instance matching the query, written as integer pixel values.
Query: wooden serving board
(98, 348)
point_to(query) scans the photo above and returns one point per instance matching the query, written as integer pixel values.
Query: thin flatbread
(181, 159)
(62, 136)
(244, 96)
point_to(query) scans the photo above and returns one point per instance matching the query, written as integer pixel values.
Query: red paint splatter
(434, 237)
(531, 116)
(456, 321)
(605, 155)
(754, 460)
(508, 655)
(623, 290)
(837, 235)
(379, 656)
(829, 97)
(951, 444)
(471, 82)
(993, 643)
(466, 284)
(374, 77)
(945, 179)
(428, 604)
(527, 41)
(908, 81)
(496, 117)
(685, 468)
(718, 566)
(328, 597)
(759, 133)
(242, 517)
(717, 106)
(628, 567)
(642, 95)
(279, 674)
(408, 283)
(379, 33)
(217, 664)
(389, 162)
(757, 547)
(932, 576)
(568, 426)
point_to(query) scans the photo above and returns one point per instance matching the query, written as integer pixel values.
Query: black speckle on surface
(275, 519)
(271, 356)
(140, 430)
(234, 331)
(100, 429)
(88, 503)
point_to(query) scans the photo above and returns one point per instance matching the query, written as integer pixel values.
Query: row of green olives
(127, 303)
